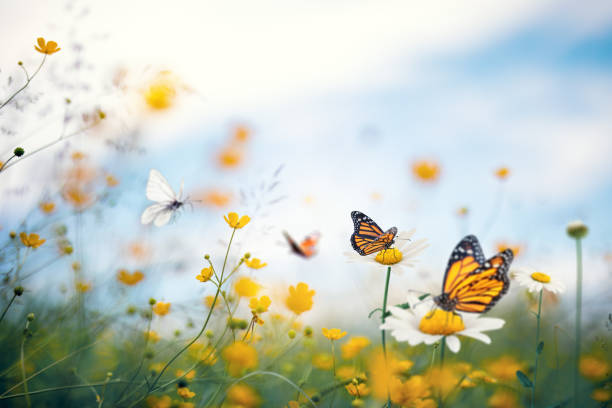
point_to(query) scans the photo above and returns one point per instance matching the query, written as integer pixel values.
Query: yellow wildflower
(209, 299)
(32, 240)
(47, 207)
(233, 220)
(502, 173)
(443, 380)
(205, 274)
(82, 287)
(242, 396)
(426, 171)
(161, 308)
(46, 47)
(111, 181)
(152, 336)
(255, 263)
(300, 298)
(333, 334)
(505, 367)
(129, 279)
(503, 398)
(241, 133)
(261, 305)
(323, 361)
(184, 392)
(181, 373)
(246, 287)
(239, 357)
(230, 157)
(594, 368)
(214, 198)
(410, 393)
(358, 390)
(205, 353)
(77, 197)
(159, 402)
(161, 92)
(383, 371)
(601, 394)
(353, 346)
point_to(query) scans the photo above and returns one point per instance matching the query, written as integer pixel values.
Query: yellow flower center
(441, 322)
(540, 277)
(389, 256)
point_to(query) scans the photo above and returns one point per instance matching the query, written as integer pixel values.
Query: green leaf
(540, 347)
(403, 306)
(524, 379)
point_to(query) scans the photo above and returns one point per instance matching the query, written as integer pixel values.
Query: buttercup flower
(413, 392)
(189, 376)
(594, 368)
(255, 263)
(208, 301)
(161, 92)
(300, 298)
(333, 334)
(152, 336)
(161, 308)
(260, 305)
(215, 198)
(46, 47)
(505, 367)
(230, 157)
(353, 346)
(234, 222)
(323, 361)
(420, 325)
(426, 171)
(47, 207)
(239, 357)
(535, 281)
(503, 398)
(129, 279)
(32, 241)
(184, 392)
(602, 394)
(205, 274)
(246, 287)
(401, 256)
(242, 396)
(502, 173)
(83, 287)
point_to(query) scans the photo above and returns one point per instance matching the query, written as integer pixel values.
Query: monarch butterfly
(368, 236)
(471, 282)
(306, 248)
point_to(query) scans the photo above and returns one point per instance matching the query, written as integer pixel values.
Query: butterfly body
(306, 248)
(167, 201)
(472, 283)
(368, 237)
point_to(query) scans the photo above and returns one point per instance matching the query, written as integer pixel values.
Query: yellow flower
(502, 173)
(82, 287)
(441, 322)
(353, 346)
(241, 134)
(77, 197)
(205, 274)
(129, 279)
(426, 171)
(46, 47)
(161, 92)
(601, 394)
(111, 181)
(233, 221)
(239, 357)
(214, 198)
(242, 396)
(358, 390)
(409, 393)
(333, 334)
(230, 157)
(323, 361)
(161, 308)
(261, 305)
(383, 371)
(594, 368)
(443, 380)
(246, 287)
(159, 402)
(184, 392)
(208, 301)
(152, 336)
(47, 207)
(463, 211)
(32, 240)
(205, 353)
(181, 373)
(503, 399)
(293, 404)
(300, 298)
(505, 367)
(255, 263)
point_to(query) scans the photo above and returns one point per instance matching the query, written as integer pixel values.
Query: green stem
(7, 307)
(442, 348)
(578, 319)
(23, 372)
(384, 340)
(63, 387)
(535, 372)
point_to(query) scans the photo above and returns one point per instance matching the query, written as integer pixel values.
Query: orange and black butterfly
(306, 248)
(471, 282)
(368, 236)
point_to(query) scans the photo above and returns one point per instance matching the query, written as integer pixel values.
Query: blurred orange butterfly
(307, 247)
(368, 236)
(471, 282)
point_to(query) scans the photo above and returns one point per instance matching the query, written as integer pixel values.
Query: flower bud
(577, 229)
(18, 291)
(18, 151)
(291, 333)
(152, 301)
(207, 257)
(247, 255)
(308, 331)
(30, 317)
(12, 234)
(209, 334)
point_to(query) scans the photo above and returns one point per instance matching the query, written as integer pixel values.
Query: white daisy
(401, 256)
(535, 281)
(423, 323)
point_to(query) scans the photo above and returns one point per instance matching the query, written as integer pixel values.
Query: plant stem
(23, 372)
(384, 340)
(535, 372)
(28, 80)
(578, 319)
(442, 347)
(7, 307)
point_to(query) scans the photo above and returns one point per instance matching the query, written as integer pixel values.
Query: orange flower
(47, 207)
(230, 157)
(333, 334)
(161, 308)
(215, 198)
(300, 298)
(83, 287)
(32, 240)
(502, 173)
(46, 47)
(78, 198)
(129, 279)
(111, 181)
(426, 171)
(241, 133)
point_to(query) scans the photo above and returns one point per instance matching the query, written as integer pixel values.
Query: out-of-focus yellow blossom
(505, 367)
(214, 198)
(333, 334)
(323, 361)
(184, 392)
(32, 240)
(209, 299)
(346, 372)
(161, 308)
(239, 357)
(159, 402)
(255, 263)
(426, 171)
(129, 279)
(300, 298)
(161, 92)
(234, 221)
(205, 353)
(189, 376)
(205, 274)
(463, 211)
(594, 368)
(382, 371)
(353, 346)
(185, 404)
(503, 398)
(410, 393)
(241, 133)
(441, 322)
(77, 197)
(83, 287)
(152, 336)
(45, 47)
(502, 246)
(358, 390)
(47, 207)
(293, 404)
(246, 287)
(242, 396)
(502, 173)
(601, 394)
(77, 155)
(230, 157)
(260, 305)
(111, 181)
(443, 380)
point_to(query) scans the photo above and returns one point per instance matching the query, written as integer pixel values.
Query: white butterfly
(167, 202)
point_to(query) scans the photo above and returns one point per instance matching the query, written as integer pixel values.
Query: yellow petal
(41, 42)
(244, 220)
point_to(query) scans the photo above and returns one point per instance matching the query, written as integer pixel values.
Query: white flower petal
(453, 343)
(476, 335)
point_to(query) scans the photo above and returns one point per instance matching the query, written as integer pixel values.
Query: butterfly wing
(295, 247)
(163, 217)
(368, 237)
(151, 212)
(308, 245)
(158, 188)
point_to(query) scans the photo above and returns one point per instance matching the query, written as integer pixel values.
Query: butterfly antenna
(181, 190)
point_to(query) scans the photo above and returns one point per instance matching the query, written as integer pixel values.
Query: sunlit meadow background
(297, 113)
